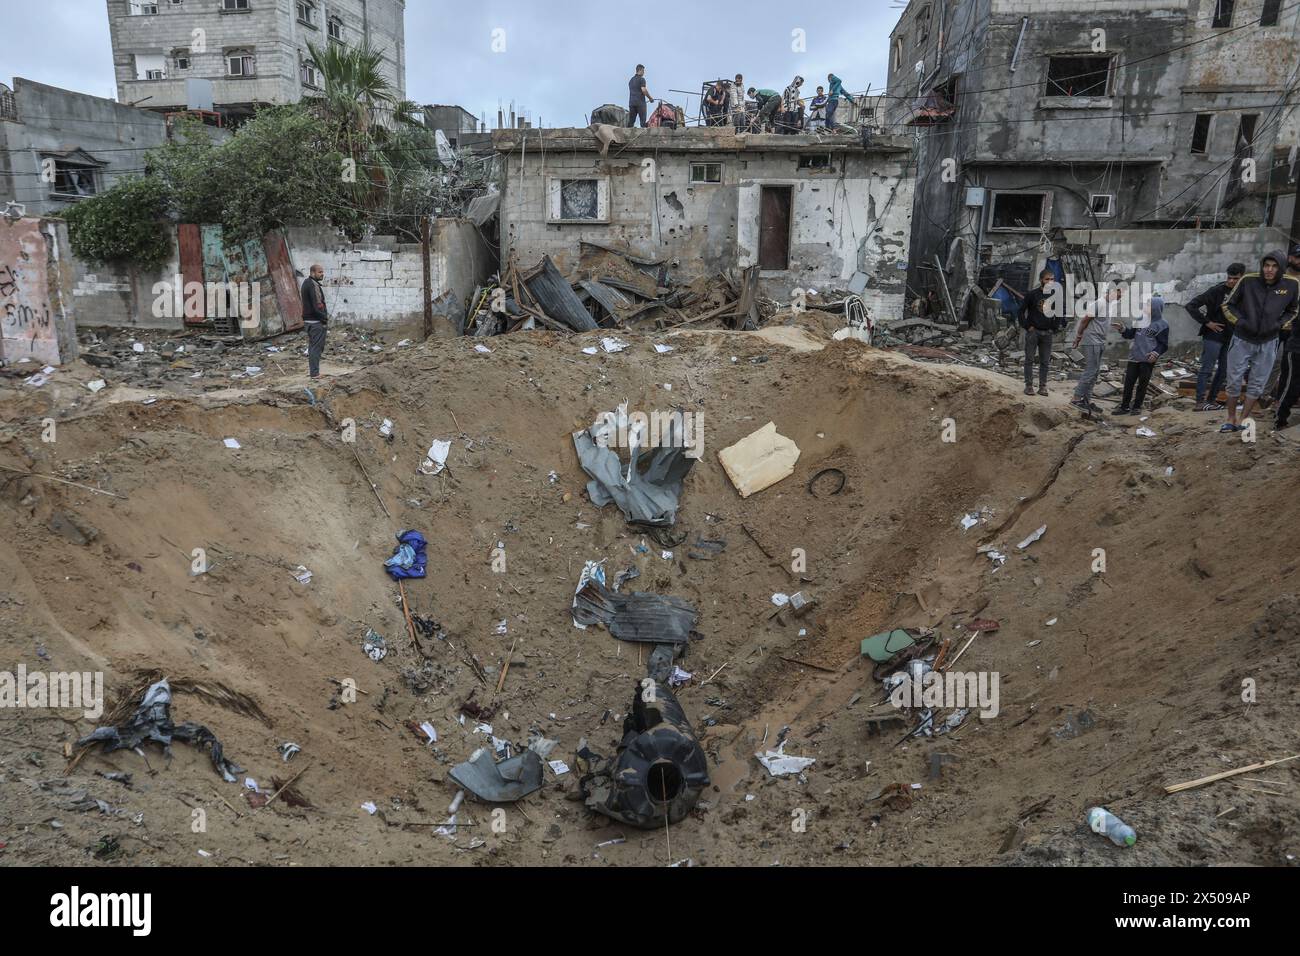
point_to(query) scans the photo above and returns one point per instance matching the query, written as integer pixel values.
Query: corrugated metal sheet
(557, 298)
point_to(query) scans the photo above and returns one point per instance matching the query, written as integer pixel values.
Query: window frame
(62, 167)
(1045, 218)
(806, 162)
(554, 199)
(242, 54)
(1217, 15)
(1110, 205)
(1107, 88)
(310, 8)
(691, 178)
(1209, 131)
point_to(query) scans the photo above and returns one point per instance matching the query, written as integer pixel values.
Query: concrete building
(236, 55)
(809, 211)
(1041, 124)
(57, 146)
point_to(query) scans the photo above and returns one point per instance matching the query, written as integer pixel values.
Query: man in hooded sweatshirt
(1258, 308)
(1288, 385)
(1216, 337)
(1150, 341)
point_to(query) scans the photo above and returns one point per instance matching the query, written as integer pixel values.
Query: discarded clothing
(503, 782)
(636, 616)
(152, 721)
(408, 558)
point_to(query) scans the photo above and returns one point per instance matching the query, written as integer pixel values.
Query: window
(234, 5)
(1223, 13)
(1102, 204)
(240, 63)
(1201, 134)
(1269, 16)
(1246, 133)
(71, 179)
(923, 27)
(1078, 76)
(706, 172)
(306, 13)
(150, 66)
(1014, 212)
(578, 200)
(141, 8)
(307, 72)
(815, 161)
(182, 59)
(335, 26)
(898, 51)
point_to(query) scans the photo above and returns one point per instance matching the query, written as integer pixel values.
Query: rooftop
(710, 139)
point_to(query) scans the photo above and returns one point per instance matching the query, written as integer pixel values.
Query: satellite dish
(446, 154)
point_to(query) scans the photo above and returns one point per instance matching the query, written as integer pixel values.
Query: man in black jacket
(1216, 336)
(1040, 317)
(314, 317)
(1260, 306)
(1288, 384)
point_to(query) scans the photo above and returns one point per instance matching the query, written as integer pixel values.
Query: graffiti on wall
(27, 328)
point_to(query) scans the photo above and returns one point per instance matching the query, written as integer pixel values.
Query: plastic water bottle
(1103, 821)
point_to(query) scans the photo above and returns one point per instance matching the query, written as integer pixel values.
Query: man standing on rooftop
(638, 95)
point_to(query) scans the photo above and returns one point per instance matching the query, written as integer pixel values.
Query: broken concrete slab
(759, 460)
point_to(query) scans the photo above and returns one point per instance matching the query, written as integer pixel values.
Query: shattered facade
(810, 211)
(1036, 116)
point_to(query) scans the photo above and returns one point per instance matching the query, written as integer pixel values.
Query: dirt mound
(1113, 684)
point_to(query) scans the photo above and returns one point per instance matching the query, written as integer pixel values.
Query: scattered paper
(137, 347)
(779, 765)
(969, 521)
(679, 677)
(1051, 622)
(436, 460)
(483, 348)
(780, 599)
(591, 570)
(661, 349)
(1032, 538)
(96, 385)
(558, 766)
(386, 428)
(430, 732)
(369, 807)
(302, 575)
(590, 350)
(500, 628)
(611, 344)
(1146, 432)
(232, 443)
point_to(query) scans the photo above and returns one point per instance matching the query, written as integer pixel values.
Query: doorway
(774, 228)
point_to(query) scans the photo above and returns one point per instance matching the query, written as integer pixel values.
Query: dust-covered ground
(1179, 660)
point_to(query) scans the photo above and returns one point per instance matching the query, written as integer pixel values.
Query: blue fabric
(408, 558)
(1054, 266)
(1009, 304)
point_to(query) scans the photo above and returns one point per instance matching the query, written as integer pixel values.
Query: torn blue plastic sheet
(408, 558)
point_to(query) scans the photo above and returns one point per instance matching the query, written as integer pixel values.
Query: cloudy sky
(561, 58)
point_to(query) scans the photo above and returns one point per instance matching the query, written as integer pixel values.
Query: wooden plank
(190, 244)
(287, 294)
(1202, 781)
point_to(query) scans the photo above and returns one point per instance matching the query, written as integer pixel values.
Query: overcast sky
(562, 58)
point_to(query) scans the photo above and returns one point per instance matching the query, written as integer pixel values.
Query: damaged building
(1145, 137)
(809, 211)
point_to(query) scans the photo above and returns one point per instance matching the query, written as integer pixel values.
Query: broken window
(71, 179)
(579, 200)
(815, 161)
(240, 63)
(1268, 17)
(181, 58)
(1246, 133)
(1201, 133)
(1223, 13)
(898, 51)
(923, 26)
(150, 66)
(1078, 76)
(306, 13)
(706, 172)
(1016, 211)
(1102, 204)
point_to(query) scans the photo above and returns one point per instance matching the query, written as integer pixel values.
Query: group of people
(1246, 321)
(751, 109)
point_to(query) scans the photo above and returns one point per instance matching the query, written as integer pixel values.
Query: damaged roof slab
(702, 139)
